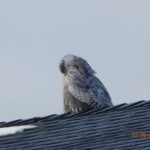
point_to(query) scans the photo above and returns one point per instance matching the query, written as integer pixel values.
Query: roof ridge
(118, 107)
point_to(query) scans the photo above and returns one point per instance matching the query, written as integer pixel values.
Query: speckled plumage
(82, 89)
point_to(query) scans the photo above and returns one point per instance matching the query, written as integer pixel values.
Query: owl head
(70, 61)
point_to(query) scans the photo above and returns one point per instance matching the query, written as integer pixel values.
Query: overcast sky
(113, 35)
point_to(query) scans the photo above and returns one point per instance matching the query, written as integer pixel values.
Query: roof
(121, 127)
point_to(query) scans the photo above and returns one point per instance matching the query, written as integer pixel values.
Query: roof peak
(119, 107)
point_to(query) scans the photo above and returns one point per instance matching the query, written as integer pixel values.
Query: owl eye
(76, 66)
(71, 72)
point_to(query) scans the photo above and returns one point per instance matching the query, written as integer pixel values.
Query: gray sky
(113, 35)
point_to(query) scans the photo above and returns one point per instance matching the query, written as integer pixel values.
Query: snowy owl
(82, 89)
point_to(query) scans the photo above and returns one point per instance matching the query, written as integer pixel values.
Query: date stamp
(140, 134)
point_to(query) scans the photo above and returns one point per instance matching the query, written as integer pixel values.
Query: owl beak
(62, 67)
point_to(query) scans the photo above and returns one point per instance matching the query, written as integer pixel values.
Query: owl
(82, 90)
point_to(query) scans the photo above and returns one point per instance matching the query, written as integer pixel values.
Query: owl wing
(90, 91)
(102, 96)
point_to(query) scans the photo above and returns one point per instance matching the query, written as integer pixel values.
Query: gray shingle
(100, 129)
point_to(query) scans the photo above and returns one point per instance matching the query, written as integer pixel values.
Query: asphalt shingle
(112, 128)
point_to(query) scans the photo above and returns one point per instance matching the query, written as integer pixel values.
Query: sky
(112, 35)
